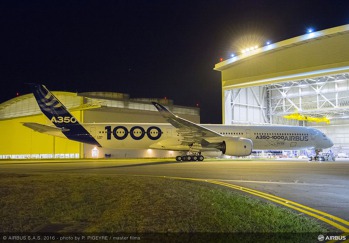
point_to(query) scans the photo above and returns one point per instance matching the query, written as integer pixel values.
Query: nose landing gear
(322, 156)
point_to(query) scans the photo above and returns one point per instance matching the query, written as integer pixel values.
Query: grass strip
(99, 203)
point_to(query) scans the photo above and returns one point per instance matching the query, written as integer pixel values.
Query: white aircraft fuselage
(165, 136)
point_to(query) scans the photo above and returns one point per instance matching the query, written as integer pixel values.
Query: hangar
(307, 75)
(20, 142)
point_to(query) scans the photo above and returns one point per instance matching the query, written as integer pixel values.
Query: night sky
(151, 49)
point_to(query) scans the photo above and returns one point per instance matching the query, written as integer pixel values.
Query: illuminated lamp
(95, 152)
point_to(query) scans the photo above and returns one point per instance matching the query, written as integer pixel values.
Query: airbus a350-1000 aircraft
(178, 135)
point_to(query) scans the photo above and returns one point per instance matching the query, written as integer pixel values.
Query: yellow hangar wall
(19, 141)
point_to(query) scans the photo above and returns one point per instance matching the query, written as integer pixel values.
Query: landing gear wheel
(190, 158)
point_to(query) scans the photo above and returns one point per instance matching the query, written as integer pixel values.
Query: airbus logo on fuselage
(284, 137)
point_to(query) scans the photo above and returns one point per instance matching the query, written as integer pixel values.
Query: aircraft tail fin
(59, 115)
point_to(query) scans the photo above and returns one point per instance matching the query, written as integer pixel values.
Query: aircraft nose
(330, 143)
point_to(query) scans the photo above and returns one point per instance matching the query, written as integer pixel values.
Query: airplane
(176, 135)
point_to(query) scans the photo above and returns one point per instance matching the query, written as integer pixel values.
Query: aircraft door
(93, 131)
(169, 132)
(248, 133)
(312, 135)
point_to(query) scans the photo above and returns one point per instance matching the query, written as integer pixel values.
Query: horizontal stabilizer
(51, 130)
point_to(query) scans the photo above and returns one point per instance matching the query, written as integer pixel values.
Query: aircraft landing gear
(191, 157)
(322, 156)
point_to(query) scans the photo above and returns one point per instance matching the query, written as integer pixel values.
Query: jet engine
(237, 146)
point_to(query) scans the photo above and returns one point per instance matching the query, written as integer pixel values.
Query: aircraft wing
(190, 131)
(51, 130)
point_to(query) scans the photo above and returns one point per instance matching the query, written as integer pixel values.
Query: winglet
(181, 123)
(163, 110)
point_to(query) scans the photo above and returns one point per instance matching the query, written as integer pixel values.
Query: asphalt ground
(322, 186)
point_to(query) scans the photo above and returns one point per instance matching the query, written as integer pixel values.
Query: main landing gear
(190, 157)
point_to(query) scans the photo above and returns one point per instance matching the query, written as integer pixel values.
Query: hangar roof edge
(30, 95)
(314, 36)
(25, 105)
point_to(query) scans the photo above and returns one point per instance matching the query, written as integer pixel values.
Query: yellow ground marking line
(288, 203)
(282, 200)
(296, 206)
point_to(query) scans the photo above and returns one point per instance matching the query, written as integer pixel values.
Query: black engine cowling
(237, 146)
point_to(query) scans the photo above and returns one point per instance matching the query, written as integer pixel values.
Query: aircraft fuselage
(142, 135)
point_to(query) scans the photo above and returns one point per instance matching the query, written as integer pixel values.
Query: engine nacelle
(237, 146)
